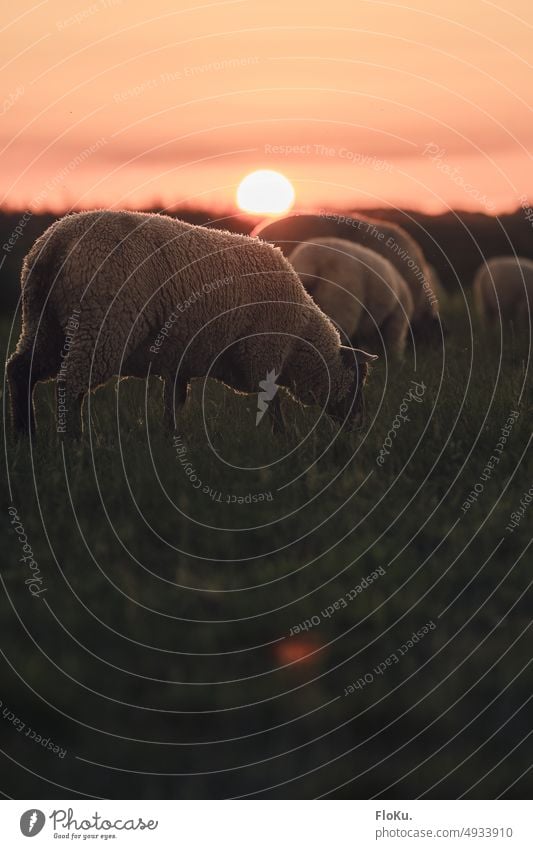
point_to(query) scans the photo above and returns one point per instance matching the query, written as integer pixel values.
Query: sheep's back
(353, 284)
(501, 285)
(148, 264)
(385, 238)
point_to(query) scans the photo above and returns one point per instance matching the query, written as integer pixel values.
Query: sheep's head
(347, 403)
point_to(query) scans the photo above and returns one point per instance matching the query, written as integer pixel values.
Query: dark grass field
(159, 655)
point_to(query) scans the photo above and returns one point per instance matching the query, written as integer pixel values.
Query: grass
(160, 655)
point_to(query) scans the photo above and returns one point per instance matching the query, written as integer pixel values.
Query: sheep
(503, 290)
(117, 293)
(387, 239)
(358, 289)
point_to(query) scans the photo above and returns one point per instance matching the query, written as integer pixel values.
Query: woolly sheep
(362, 293)
(387, 239)
(109, 293)
(503, 286)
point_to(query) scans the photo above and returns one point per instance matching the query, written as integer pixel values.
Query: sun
(265, 192)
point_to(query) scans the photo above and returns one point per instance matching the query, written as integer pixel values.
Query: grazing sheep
(503, 287)
(362, 293)
(387, 239)
(110, 293)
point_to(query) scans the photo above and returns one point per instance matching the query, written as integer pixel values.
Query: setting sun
(265, 192)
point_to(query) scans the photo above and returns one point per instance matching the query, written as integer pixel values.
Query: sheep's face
(347, 402)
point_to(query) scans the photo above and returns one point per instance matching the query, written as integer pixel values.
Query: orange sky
(358, 102)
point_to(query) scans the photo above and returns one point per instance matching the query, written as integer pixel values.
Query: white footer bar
(268, 824)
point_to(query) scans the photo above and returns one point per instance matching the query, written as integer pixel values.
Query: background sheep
(503, 286)
(358, 289)
(151, 292)
(389, 240)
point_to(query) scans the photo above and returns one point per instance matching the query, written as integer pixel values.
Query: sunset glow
(364, 105)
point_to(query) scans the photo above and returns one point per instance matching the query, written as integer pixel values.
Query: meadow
(191, 640)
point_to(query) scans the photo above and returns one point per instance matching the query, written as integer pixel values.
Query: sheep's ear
(350, 354)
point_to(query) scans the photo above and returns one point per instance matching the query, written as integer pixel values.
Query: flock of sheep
(136, 294)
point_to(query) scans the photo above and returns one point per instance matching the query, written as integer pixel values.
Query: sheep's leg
(21, 385)
(98, 349)
(26, 367)
(275, 413)
(174, 398)
(394, 331)
(72, 387)
(256, 367)
(69, 402)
